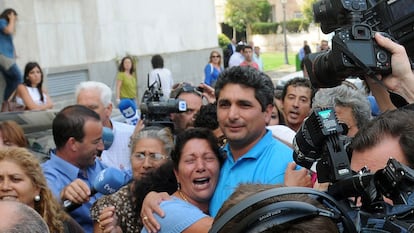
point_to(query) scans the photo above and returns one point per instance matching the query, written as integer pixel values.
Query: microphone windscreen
(107, 137)
(129, 110)
(110, 180)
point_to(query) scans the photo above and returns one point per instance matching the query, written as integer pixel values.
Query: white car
(281, 82)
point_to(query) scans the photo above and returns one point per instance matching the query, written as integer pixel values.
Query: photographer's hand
(401, 81)
(208, 92)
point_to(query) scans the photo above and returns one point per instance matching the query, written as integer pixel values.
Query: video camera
(354, 49)
(155, 110)
(320, 140)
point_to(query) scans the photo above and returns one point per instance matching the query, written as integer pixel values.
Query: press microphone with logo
(107, 182)
(129, 110)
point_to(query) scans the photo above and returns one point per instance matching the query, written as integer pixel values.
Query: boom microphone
(129, 110)
(107, 182)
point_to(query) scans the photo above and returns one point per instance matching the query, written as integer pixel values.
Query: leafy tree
(240, 14)
(307, 9)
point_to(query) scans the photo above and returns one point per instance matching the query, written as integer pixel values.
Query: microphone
(107, 137)
(107, 182)
(129, 111)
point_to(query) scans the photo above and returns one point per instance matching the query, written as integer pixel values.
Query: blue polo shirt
(265, 163)
(59, 173)
(6, 41)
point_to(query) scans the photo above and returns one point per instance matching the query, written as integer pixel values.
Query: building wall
(68, 35)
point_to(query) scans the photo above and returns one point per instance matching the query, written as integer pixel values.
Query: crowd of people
(182, 177)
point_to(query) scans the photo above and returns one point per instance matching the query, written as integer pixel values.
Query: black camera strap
(357, 61)
(396, 99)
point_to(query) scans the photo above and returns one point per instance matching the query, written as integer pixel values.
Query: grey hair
(345, 96)
(163, 134)
(104, 90)
(25, 219)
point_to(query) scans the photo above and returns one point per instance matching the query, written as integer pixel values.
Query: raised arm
(401, 81)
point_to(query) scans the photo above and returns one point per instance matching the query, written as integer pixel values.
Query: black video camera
(320, 140)
(155, 110)
(354, 49)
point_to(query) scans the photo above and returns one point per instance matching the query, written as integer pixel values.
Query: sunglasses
(215, 56)
(184, 88)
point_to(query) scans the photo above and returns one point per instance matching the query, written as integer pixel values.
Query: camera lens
(320, 69)
(382, 56)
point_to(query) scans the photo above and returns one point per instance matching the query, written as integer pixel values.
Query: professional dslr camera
(320, 140)
(155, 110)
(354, 50)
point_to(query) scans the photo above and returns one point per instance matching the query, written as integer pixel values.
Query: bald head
(16, 217)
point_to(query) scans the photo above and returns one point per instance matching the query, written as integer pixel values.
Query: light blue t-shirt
(179, 215)
(265, 163)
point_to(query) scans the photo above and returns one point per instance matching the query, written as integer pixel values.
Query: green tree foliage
(240, 14)
(264, 28)
(307, 10)
(223, 40)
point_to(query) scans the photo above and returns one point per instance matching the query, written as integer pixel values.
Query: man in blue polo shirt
(244, 108)
(244, 99)
(71, 170)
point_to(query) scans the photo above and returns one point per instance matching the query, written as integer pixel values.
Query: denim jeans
(13, 77)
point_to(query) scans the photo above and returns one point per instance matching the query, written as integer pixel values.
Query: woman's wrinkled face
(15, 184)
(148, 154)
(198, 170)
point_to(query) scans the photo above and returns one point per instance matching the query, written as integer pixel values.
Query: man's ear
(268, 113)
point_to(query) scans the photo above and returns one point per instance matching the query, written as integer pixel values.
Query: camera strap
(357, 61)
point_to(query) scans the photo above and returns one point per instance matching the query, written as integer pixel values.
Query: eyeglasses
(152, 156)
(184, 88)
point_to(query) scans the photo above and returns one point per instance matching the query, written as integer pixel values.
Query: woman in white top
(30, 92)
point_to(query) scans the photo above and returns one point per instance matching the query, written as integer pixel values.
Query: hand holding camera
(401, 81)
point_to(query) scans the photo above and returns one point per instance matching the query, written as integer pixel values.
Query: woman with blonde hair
(22, 180)
(212, 69)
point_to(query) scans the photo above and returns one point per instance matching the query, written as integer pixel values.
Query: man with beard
(72, 168)
(297, 101)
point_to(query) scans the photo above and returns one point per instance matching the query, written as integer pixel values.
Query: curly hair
(48, 207)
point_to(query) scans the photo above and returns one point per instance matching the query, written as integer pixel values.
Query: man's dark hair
(70, 122)
(248, 77)
(239, 48)
(396, 124)
(207, 117)
(157, 61)
(298, 82)
(247, 47)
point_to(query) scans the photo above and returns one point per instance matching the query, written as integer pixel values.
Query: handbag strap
(12, 95)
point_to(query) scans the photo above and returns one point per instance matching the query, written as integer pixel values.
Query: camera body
(156, 111)
(319, 140)
(354, 49)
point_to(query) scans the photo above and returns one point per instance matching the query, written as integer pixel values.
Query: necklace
(182, 195)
